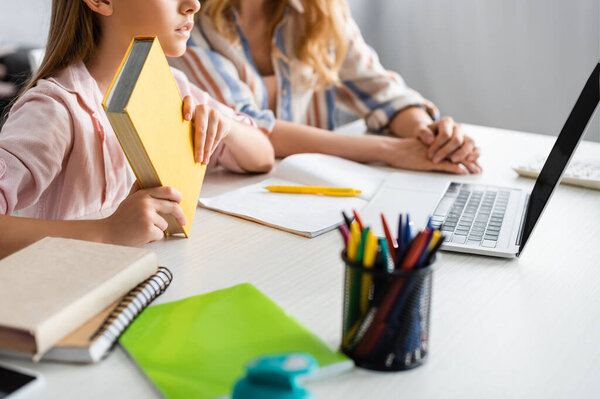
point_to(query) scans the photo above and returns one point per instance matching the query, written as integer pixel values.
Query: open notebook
(306, 215)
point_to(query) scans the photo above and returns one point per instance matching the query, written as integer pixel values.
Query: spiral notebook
(93, 340)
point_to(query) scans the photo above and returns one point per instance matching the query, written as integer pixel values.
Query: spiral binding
(132, 305)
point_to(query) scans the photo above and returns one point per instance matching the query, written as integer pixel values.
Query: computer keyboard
(583, 174)
(471, 214)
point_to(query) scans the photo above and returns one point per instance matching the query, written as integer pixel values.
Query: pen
(319, 190)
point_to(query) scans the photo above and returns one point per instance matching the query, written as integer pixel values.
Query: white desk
(522, 328)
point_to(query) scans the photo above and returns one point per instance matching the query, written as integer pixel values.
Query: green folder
(198, 347)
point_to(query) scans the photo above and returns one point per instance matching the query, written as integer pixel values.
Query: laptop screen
(561, 153)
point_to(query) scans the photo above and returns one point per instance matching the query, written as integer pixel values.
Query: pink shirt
(59, 156)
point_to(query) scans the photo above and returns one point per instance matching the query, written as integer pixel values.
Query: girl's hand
(210, 127)
(138, 219)
(411, 153)
(446, 140)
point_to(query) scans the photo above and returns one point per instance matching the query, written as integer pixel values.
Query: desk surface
(526, 327)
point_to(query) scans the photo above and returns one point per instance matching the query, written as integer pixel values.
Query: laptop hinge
(524, 213)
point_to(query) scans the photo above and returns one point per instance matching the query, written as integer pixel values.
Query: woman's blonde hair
(322, 44)
(73, 35)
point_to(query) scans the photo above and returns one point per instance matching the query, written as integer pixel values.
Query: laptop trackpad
(417, 194)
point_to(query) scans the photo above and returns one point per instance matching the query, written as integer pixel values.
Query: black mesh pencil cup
(386, 316)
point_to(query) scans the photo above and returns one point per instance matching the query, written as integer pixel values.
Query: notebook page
(307, 215)
(304, 214)
(327, 170)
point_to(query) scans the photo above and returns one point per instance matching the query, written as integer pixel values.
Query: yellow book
(144, 107)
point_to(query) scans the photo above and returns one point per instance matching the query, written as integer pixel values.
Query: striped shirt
(225, 69)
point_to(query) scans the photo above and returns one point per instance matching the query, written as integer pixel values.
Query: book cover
(197, 347)
(144, 107)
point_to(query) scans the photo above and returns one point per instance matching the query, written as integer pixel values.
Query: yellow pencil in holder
(368, 262)
(354, 241)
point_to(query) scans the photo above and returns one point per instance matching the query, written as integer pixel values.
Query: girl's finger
(166, 207)
(211, 133)
(188, 107)
(165, 193)
(200, 125)
(160, 222)
(156, 234)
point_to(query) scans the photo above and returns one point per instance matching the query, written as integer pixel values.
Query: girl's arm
(250, 147)
(136, 222)
(408, 153)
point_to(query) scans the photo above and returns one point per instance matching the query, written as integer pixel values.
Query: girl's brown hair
(73, 35)
(323, 22)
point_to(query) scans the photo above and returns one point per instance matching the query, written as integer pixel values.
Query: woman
(289, 63)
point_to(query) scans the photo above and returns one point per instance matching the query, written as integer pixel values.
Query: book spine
(132, 305)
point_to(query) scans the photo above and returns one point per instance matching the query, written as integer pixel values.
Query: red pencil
(376, 329)
(391, 241)
(358, 220)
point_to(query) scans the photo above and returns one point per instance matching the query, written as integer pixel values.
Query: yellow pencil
(318, 190)
(368, 262)
(354, 241)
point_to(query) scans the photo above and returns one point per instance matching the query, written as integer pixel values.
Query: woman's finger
(463, 153)
(443, 128)
(447, 166)
(455, 142)
(472, 167)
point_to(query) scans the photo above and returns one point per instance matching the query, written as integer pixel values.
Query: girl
(59, 157)
(288, 63)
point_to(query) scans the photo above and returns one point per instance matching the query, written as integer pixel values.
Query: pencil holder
(386, 316)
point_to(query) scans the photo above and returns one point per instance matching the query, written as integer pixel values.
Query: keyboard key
(458, 239)
(488, 244)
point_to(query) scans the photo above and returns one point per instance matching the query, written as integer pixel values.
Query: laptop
(485, 219)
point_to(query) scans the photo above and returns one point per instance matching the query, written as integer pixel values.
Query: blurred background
(515, 64)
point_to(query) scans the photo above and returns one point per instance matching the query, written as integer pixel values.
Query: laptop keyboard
(471, 214)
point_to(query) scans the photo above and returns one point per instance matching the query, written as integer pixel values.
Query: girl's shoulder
(71, 89)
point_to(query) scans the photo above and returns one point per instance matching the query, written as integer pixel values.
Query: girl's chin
(174, 49)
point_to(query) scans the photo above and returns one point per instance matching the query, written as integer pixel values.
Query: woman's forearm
(405, 122)
(291, 138)
(20, 232)
(250, 147)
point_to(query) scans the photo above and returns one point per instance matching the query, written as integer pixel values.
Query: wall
(516, 64)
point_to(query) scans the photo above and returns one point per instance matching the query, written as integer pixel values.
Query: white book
(304, 214)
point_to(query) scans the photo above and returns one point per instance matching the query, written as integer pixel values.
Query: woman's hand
(210, 127)
(446, 140)
(411, 153)
(138, 220)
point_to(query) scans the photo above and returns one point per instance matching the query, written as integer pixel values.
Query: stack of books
(70, 300)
